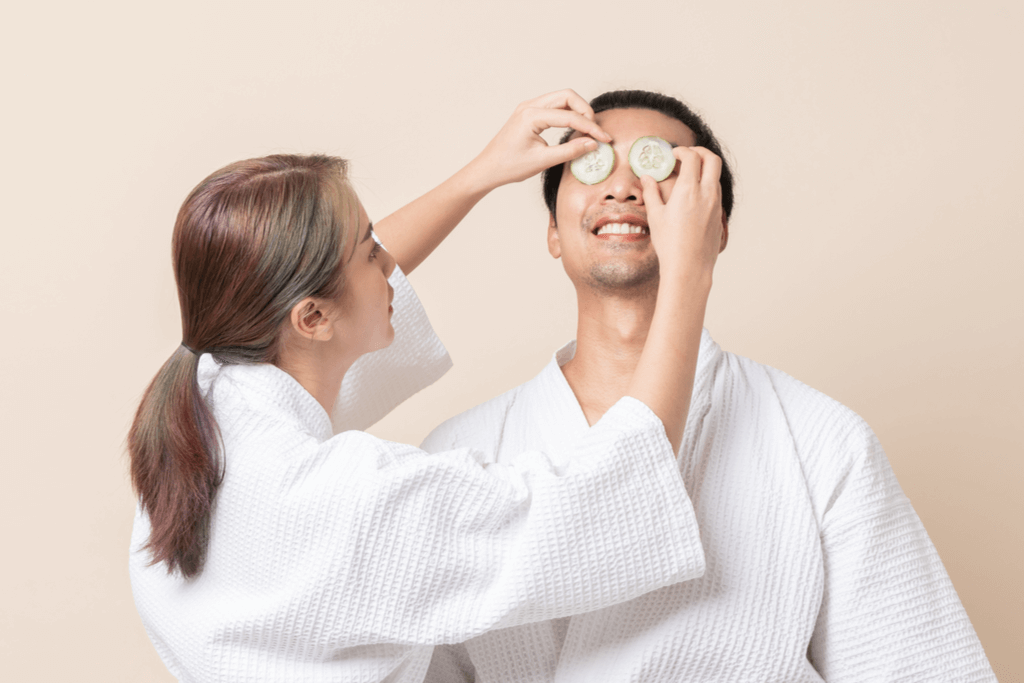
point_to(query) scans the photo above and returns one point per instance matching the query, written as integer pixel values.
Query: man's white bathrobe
(343, 557)
(818, 567)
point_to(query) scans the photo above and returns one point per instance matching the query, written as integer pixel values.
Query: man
(817, 566)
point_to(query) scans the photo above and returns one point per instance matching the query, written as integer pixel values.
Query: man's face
(608, 261)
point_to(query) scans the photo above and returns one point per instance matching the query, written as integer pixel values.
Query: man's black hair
(669, 106)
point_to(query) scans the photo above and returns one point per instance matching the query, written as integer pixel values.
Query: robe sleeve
(437, 549)
(450, 664)
(379, 381)
(889, 611)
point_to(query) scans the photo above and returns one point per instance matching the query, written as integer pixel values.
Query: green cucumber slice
(595, 165)
(652, 156)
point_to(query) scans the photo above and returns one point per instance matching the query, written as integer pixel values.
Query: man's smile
(621, 228)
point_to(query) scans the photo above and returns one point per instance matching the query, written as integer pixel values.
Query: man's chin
(624, 278)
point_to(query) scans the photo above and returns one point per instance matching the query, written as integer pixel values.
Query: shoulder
(809, 413)
(834, 445)
(478, 428)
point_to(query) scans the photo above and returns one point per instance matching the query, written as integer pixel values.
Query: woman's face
(362, 319)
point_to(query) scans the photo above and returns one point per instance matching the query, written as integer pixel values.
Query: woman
(268, 548)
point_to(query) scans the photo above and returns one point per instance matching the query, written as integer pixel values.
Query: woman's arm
(437, 549)
(516, 153)
(686, 231)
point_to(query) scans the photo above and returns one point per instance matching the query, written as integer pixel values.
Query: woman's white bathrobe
(343, 557)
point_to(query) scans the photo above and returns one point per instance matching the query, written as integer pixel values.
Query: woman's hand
(518, 151)
(686, 230)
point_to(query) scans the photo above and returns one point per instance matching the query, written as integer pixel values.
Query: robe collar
(563, 418)
(266, 389)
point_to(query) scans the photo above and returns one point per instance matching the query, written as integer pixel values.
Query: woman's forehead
(353, 217)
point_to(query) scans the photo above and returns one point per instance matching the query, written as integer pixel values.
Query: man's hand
(518, 151)
(686, 230)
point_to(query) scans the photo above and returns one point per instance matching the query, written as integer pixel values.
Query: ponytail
(175, 464)
(250, 241)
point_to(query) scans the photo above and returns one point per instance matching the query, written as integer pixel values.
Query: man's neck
(610, 337)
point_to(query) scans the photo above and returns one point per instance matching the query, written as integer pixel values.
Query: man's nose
(622, 185)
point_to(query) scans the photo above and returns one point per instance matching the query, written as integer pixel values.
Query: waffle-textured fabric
(343, 557)
(818, 568)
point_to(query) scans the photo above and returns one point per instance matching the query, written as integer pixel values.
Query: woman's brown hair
(251, 241)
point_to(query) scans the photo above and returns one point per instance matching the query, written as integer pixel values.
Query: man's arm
(889, 611)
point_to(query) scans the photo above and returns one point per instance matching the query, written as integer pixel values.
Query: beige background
(875, 251)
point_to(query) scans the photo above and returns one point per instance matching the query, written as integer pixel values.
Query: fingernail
(590, 144)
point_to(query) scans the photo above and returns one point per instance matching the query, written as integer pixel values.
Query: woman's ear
(725, 234)
(309, 320)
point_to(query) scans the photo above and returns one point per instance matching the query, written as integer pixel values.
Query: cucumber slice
(652, 156)
(594, 166)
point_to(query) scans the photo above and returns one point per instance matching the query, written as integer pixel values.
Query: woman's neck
(317, 367)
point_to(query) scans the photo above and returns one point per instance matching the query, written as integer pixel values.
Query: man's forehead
(629, 124)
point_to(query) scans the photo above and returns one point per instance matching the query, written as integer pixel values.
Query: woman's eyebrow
(369, 231)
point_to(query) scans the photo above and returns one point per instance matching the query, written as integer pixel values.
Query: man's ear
(725, 233)
(310, 321)
(554, 246)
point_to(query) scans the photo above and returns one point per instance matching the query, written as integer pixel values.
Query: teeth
(620, 229)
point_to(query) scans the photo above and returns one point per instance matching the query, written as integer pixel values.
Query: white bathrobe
(346, 558)
(818, 567)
